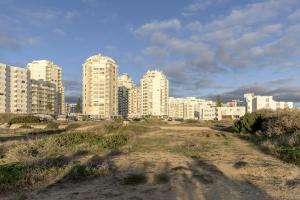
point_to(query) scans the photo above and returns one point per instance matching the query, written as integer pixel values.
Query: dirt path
(198, 164)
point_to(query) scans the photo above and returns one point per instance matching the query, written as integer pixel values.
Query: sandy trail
(229, 169)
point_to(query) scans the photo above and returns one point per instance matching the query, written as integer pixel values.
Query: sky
(205, 47)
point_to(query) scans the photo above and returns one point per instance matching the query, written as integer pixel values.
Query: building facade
(15, 89)
(100, 87)
(48, 71)
(134, 102)
(256, 102)
(154, 94)
(125, 84)
(71, 108)
(42, 97)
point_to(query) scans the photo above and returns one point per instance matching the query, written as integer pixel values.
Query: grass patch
(72, 126)
(25, 175)
(134, 179)
(161, 178)
(53, 126)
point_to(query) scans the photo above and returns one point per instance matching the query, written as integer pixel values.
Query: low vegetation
(135, 179)
(24, 119)
(277, 132)
(53, 126)
(72, 126)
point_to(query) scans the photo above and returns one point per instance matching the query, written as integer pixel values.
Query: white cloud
(173, 24)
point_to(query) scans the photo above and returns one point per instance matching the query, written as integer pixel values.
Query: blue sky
(205, 47)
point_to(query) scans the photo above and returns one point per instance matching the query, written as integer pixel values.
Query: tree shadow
(200, 179)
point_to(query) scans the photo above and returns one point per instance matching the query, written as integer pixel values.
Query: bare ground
(217, 166)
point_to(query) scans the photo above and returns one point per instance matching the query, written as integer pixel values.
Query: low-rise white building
(256, 102)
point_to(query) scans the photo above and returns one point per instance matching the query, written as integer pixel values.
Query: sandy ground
(229, 168)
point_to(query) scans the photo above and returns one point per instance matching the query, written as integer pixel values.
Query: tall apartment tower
(15, 89)
(134, 102)
(100, 87)
(154, 94)
(48, 71)
(125, 84)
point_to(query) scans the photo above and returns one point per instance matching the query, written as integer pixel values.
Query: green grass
(52, 125)
(72, 126)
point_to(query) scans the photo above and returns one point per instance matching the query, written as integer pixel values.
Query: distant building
(125, 84)
(232, 112)
(154, 94)
(15, 89)
(134, 102)
(189, 108)
(43, 97)
(254, 103)
(48, 71)
(71, 108)
(100, 87)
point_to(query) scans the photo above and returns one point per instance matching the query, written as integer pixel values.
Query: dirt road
(185, 163)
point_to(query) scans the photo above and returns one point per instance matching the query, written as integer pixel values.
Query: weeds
(161, 178)
(134, 179)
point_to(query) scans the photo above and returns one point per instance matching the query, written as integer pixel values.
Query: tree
(49, 107)
(78, 106)
(219, 101)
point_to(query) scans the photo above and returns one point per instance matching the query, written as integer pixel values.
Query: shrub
(191, 121)
(249, 123)
(114, 141)
(53, 125)
(24, 119)
(289, 154)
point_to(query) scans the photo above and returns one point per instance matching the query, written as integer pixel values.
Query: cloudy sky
(205, 47)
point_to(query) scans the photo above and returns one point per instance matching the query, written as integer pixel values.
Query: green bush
(135, 179)
(24, 119)
(114, 141)
(161, 178)
(53, 125)
(249, 123)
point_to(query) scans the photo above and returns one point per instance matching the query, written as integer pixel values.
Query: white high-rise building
(134, 102)
(15, 92)
(48, 71)
(100, 87)
(125, 84)
(254, 103)
(154, 94)
(2, 88)
(42, 97)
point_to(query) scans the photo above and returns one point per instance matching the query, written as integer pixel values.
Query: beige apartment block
(71, 108)
(254, 103)
(100, 87)
(154, 94)
(42, 97)
(125, 84)
(134, 102)
(17, 89)
(2, 88)
(49, 71)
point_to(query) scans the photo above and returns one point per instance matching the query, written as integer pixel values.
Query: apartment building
(48, 71)
(154, 94)
(100, 87)
(2, 88)
(254, 103)
(15, 89)
(188, 108)
(71, 108)
(125, 84)
(134, 102)
(43, 97)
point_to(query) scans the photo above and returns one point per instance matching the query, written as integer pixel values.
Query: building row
(105, 94)
(36, 88)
